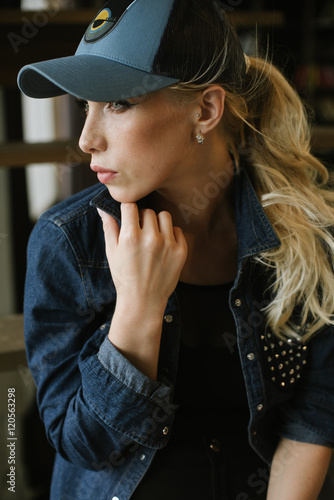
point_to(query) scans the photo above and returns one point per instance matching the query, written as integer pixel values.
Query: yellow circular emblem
(100, 20)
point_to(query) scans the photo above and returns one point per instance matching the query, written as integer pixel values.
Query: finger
(180, 238)
(181, 243)
(148, 220)
(130, 217)
(165, 223)
(110, 227)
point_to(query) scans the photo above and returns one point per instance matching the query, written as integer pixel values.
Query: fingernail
(100, 212)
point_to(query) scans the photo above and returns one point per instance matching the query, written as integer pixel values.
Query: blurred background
(41, 164)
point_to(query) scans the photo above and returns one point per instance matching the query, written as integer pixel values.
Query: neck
(204, 201)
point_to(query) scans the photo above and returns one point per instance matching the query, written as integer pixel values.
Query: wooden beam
(12, 347)
(84, 17)
(47, 16)
(322, 138)
(245, 19)
(17, 154)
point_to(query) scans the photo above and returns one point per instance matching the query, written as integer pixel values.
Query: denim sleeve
(95, 405)
(309, 415)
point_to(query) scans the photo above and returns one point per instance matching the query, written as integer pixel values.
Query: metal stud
(282, 358)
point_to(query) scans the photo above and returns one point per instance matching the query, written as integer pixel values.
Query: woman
(186, 352)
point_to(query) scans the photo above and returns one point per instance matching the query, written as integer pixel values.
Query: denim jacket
(105, 418)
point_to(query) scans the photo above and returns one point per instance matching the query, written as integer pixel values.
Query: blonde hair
(267, 131)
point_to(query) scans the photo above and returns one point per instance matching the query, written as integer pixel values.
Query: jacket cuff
(310, 422)
(303, 434)
(129, 375)
(124, 399)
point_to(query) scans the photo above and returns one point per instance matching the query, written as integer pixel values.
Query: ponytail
(267, 131)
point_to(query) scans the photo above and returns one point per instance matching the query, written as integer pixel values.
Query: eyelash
(123, 104)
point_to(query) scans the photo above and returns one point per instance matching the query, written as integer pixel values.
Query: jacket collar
(255, 233)
(105, 202)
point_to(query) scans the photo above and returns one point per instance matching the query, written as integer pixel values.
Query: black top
(209, 374)
(208, 456)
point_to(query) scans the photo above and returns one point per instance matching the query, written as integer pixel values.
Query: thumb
(110, 227)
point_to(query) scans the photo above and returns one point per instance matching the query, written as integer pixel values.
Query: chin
(122, 197)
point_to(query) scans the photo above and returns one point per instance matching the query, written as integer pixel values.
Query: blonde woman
(179, 318)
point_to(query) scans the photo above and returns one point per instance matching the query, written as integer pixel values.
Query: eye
(119, 105)
(83, 105)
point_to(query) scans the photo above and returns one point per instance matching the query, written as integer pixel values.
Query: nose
(92, 138)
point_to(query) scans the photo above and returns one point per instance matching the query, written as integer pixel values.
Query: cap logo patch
(106, 19)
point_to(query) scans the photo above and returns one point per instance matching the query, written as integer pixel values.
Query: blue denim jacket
(105, 418)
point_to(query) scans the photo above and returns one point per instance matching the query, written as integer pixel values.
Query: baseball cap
(134, 47)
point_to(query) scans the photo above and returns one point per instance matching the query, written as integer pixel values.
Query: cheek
(166, 137)
(151, 142)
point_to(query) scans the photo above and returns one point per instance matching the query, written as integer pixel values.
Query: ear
(211, 103)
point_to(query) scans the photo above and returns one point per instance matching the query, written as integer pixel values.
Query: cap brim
(88, 77)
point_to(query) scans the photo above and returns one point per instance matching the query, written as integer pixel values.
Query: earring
(200, 138)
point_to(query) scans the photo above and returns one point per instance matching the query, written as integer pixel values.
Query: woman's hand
(146, 257)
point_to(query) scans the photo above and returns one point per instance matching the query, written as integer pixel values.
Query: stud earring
(200, 138)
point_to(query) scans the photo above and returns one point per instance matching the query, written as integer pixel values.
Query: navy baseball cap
(132, 48)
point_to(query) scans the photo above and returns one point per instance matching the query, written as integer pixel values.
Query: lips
(104, 175)
(102, 170)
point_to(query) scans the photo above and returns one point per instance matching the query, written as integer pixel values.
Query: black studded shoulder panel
(283, 361)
